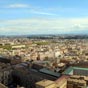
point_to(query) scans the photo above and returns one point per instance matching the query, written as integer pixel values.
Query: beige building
(2, 86)
(19, 86)
(46, 84)
(18, 46)
(76, 82)
(62, 82)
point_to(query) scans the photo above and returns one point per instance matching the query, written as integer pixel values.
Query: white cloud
(18, 6)
(32, 9)
(42, 13)
(44, 25)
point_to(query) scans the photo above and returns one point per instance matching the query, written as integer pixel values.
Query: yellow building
(46, 84)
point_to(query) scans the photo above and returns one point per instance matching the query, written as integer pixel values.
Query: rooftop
(69, 71)
(49, 72)
(45, 83)
(64, 77)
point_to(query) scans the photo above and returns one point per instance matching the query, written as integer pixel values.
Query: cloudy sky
(21, 17)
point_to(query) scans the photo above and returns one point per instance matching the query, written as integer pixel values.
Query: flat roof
(49, 72)
(69, 70)
(45, 83)
(80, 68)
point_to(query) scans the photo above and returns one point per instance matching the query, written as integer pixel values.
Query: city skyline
(21, 17)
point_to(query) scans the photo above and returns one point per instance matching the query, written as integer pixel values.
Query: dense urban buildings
(44, 62)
